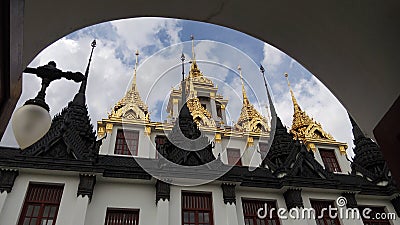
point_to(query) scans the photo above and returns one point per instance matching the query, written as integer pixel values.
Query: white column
(3, 197)
(231, 214)
(80, 210)
(163, 212)
(213, 108)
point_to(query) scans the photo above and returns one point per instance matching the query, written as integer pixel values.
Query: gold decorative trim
(147, 130)
(312, 147)
(109, 127)
(218, 138)
(342, 149)
(250, 141)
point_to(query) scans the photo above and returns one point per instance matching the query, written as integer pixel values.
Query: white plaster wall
(122, 195)
(15, 199)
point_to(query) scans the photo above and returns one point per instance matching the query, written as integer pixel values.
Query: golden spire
(194, 70)
(193, 53)
(250, 119)
(131, 106)
(134, 74)
(303, 126)
(295, 104)
(245, 99)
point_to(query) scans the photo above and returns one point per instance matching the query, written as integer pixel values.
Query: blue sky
(160, 42)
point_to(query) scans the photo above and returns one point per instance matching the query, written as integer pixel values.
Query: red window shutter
(41, 204)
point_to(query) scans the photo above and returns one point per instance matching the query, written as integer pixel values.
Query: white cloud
(139, 33)
(273, 58)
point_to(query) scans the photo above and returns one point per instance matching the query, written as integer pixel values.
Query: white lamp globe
(30, 123)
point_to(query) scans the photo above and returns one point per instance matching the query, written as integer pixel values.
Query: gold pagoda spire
(131, 106)
(250, 120)
(193, 53)
(194, 70)
(244, 94)
(302, 125)
(296, 106)
(134, 73)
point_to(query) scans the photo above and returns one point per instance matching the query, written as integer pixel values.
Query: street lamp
(32, 121)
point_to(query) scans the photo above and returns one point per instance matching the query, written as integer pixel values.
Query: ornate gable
(131, 107)
(250, 120)
(303, 127)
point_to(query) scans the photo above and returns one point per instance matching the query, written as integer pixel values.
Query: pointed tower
(186, 145)
(206, 106)
(130, 109)
(71, 135)
(250, 120)
(308, 130)
(368, 160)
(131, 106)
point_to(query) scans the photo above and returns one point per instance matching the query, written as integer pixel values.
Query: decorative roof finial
(193, 53)
(250, 119)
(134, 75)
(183, 80)
(84, 82)
(80, 97)
(245, 99)
(194, 70)
(295, 104)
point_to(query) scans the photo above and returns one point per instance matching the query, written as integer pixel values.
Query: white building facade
(138, 173)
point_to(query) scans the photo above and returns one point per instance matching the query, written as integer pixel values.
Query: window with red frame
(234, 157)
(116, 216)
(127, 142)
(250, 208)
(372, 220)
(329, 158)
(41, 204)
(197, 209)
(322, 216)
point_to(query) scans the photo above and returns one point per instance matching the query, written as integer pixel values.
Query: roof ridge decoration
(250, 120)
(71, 135)
(195, 72)
(368, 159)
(289, 157)
(304, 127)
(200, 115)
(131, 107)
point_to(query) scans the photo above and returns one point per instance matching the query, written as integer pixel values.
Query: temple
(193, 168)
